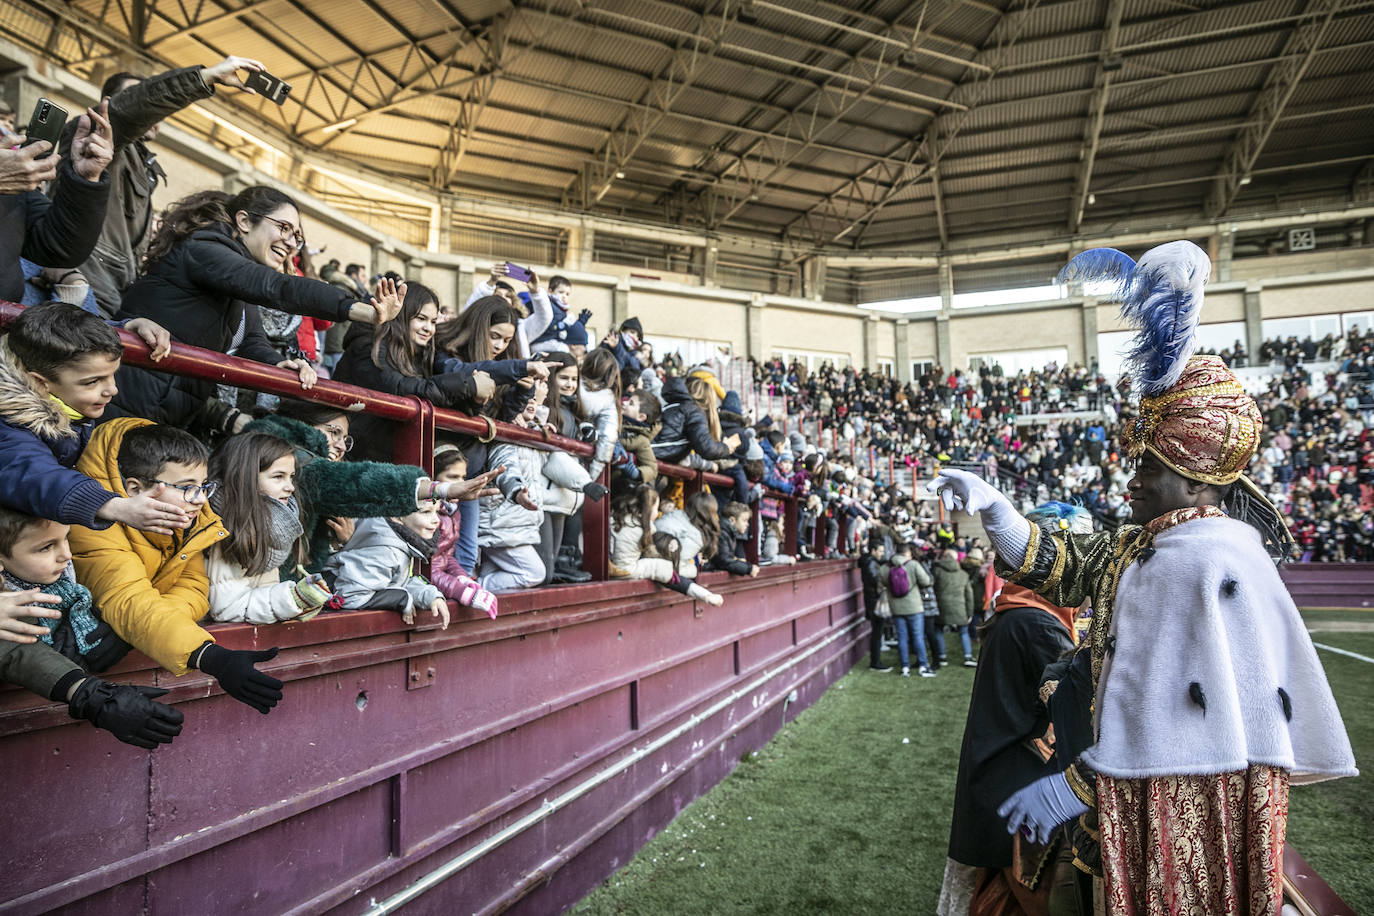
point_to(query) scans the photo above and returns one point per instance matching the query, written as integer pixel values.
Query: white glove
(1006, 528)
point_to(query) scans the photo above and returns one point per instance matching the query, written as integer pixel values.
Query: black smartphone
(46, 124)
(268, 86)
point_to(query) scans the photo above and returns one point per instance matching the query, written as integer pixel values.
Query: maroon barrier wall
(547, 745)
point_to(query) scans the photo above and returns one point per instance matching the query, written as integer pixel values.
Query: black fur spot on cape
(1228, 588)
(1197, 696)
(1287, 704)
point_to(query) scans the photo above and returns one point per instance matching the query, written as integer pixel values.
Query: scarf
(1013, 595)
(74, 631)
(285, 530)
(412, 540)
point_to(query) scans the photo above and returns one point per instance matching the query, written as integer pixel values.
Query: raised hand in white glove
(1006, 528)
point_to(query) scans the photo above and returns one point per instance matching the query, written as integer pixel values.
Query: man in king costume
(1206, 695)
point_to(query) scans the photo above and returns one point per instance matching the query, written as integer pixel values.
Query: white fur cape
(1180, 622)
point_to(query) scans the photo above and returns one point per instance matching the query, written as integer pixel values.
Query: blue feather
(1098, 264)
(1054, 512)
(1163, 299)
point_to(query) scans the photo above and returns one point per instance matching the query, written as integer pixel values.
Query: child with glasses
(152, 588)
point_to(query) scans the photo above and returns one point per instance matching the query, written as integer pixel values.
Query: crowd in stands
(141, 506)
(1316, 461)
(138, 506)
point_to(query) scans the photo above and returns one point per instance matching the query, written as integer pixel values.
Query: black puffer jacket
(52, 233)
(134, 174)
(204, 292)
(685, 428)
(730, 554)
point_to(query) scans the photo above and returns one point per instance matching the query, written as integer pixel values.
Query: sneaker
(970, 663)
(883, 670)
(906, 672)
(926, 672)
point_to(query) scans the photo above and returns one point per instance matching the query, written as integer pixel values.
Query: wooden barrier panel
(520, 759)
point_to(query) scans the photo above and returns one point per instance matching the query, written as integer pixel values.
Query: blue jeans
(966, 642)
(469, 514)
(909, 633)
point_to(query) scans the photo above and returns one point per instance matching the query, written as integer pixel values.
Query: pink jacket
(444, 571)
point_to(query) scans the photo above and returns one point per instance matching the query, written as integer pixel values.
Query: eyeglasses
(288, 232)
(193, 492)
(337, 437)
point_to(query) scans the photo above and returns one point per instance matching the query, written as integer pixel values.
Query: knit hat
(710, 377)
(731, 403)
(755, 452)
(633, 326)
(576, 335)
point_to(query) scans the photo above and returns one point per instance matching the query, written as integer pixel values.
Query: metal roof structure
(869, 125)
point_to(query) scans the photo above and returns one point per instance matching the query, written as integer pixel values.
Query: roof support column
(710, 258)
(902, 350)
(871, 343)
(1254, 324)
(620, 304)
(753, 327)
(1090, 354)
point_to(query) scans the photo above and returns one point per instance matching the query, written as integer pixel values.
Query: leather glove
(106, 653)
(1007, 529)
(234, 670)
(593, 491)
(1040, 807)
(129, 713)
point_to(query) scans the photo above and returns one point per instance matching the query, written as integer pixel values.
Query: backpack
(898, 582)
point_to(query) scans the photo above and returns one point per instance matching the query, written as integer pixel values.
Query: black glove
(584, 316)
(234, 670)
(593, 491)
(128, 713)
(108, 651)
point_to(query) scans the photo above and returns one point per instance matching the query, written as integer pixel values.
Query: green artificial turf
(838, 815)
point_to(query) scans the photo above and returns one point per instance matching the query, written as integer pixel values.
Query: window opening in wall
(693, 350)
(1014, 361)
(885, 367)
(922, 367)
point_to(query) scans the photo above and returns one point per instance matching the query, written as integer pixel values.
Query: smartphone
(46, 124)
(516, 272)
(268, 86)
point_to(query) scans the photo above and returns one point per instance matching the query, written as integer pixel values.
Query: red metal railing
(417, 421)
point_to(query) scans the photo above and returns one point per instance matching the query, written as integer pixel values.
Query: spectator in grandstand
(353, 281)
(625, 343)
(770, 551)
(903, 578)
(565, 483)
(214, 260)
(450, 467)
(257, 503)
(378, 569)
(60, 232)
(730, 547)
(600, 399)
(152, 588)
(534, 311)
(34, 554)
(136, 109)
(56, 378)
(332, 491)
(639, 426)
(484, 338)
(509, 529)
(35, 562)
(397, 357)
(635, 545)
(697, 530)
(688, 429)
(554, 338)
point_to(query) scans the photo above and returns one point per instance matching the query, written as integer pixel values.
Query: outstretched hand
(387, 299)
(962, 491)
(15, 606)
(226, 72)
(93, 143)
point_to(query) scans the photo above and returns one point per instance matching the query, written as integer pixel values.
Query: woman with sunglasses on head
(214, 261)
